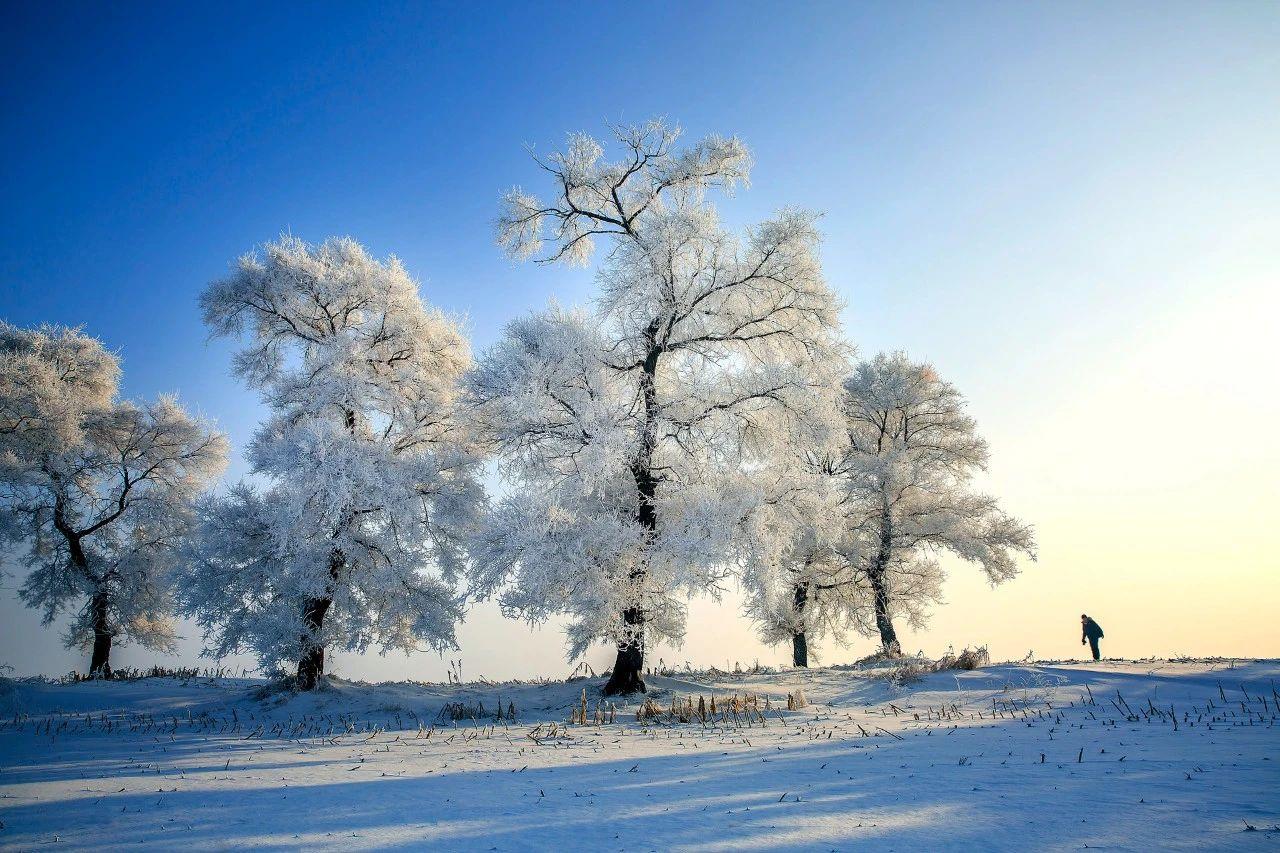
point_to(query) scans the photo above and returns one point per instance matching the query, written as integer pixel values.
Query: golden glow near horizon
(1151, 472)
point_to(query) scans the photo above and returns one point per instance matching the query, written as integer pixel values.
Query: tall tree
(97, 490)
(625, 430)
(370, 481)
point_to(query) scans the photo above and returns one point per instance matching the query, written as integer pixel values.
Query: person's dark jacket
(1092, 630)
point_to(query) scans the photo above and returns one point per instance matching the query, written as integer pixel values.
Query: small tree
(625, 431)
(798, 581)
(96, 489)
(357, 537)
(868, 515)
(911, 455)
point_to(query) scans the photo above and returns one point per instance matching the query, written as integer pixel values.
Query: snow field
(1008, 757)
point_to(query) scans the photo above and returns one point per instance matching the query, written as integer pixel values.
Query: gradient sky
(1072, 210)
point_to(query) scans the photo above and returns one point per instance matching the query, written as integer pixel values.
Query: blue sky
(1041, 198)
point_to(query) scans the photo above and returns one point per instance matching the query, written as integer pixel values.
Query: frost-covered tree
(908, 467)
(626, 431)
(870, 514)
(356, 535)
(97, 491)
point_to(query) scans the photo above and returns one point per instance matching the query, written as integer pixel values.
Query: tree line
(703, 422)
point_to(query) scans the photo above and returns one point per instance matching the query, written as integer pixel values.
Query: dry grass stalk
(581, 715)
(736, 710)
(913, 669)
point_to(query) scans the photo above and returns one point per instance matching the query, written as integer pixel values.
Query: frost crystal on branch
(370, 490)
(595, 198)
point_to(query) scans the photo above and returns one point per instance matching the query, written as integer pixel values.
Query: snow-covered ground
(1043, 756)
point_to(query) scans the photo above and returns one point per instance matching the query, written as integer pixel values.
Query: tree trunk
(799, 642)
(799, 650)
(99, 603)
(100, 663)
(311, 662)
(311, 665)
(888, 636)
(629, 665)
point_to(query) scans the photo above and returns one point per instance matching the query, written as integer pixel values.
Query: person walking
(1091, 632)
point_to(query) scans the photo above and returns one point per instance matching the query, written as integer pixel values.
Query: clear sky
(1072, 209)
